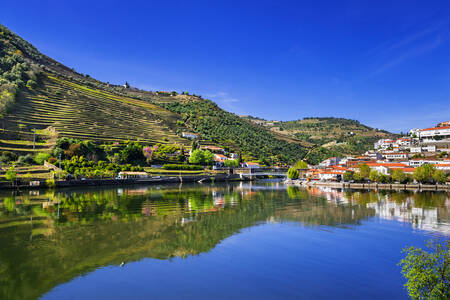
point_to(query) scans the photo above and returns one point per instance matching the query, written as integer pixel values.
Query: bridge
(260, 172)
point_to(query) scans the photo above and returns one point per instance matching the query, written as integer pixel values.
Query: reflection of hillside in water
(424, 210)
(50, 237)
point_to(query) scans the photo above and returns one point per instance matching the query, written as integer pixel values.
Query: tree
(357, 176)
(398, 175)
(364, 170)
(427, 273)
(11, 175)
(348, 176)
(301, 165)
(439, 176)
(293, 173)
(231, 163)
(374, 176)
(424, 173)
(208, 156)
(41, 157)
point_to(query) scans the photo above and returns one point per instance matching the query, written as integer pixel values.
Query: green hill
(326, 137)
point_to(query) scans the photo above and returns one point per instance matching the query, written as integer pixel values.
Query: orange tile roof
(435, 128)
(386, 165)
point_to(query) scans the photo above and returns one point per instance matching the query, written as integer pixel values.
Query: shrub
(439, 176)
(181, 167)
(231, 163)
(25, 159)
(292, 173)
(41, 157)
(348, 176)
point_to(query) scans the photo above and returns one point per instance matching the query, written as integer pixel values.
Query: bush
(348, 176)
(231, 163)
(293, 173)
(181, 167)
(25, 160)
(41, 157)
(439, 176)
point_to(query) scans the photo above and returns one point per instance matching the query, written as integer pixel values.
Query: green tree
(398, 176)
(357, 176)
(231, 163)
(209, 157)
(40, 157)
(197, 157)
(348, 176)
(427, 273)
(439, 176)
(374, 176)
(292, 173)
(11, 175)
(364, 170)
(424, 173)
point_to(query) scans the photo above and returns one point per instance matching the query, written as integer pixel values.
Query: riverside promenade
(373, 186)
(113, 182)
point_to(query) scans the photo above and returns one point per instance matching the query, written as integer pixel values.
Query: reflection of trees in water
(74, 232)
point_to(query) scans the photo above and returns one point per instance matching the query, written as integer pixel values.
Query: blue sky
(385, 63)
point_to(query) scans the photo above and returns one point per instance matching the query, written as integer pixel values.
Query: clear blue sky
(385, 63)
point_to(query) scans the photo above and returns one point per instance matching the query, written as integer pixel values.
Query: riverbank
(112, 182)
(374, 186)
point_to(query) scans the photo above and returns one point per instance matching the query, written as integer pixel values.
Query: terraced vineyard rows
(80, 112)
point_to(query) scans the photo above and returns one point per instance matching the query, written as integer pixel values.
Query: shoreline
(372, 186)
(114, 182)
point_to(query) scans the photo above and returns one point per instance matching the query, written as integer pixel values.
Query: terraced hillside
(74, 110)
(326, 136)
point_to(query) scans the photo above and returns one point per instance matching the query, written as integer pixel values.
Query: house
(384, 168)
(395, 155)
(251, 165)
(189, 135)
(132, 175)
(220, 158)
(443, 167)
(213, 149)
(331, 175)
(332, 161)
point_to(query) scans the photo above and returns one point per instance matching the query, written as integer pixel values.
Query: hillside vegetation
(326, 137)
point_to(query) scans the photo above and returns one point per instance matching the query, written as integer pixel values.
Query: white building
(189, 135)
(395, 155)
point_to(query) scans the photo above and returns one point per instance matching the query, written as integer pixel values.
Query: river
(259, 240)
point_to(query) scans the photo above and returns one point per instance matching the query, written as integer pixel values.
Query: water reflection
(50, 237)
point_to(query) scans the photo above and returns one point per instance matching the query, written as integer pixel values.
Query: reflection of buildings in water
(386, 208)
(334, 196)
(185, 221)
(420, 218)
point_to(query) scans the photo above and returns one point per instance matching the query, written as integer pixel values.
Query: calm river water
(223, 241)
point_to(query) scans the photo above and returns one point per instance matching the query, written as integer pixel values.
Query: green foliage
(41, 157)
(399, 176)
(357, 176)
(25, 160)
(201, 157)
(293, 173)
(11, 174)
(50, 182)
(427, 273)
(81, 167)
(424, 173)
(132, 154)
(364, 170)
(8, 156)
(348, 176)
(213, 123)
(300, 165)
(181, 167)
(439, 176)
(374, 176)
(231, 163)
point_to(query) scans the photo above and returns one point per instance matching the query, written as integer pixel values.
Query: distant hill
(37, 92)
(326, 137)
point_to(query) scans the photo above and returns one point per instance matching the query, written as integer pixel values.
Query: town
(423, 156)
